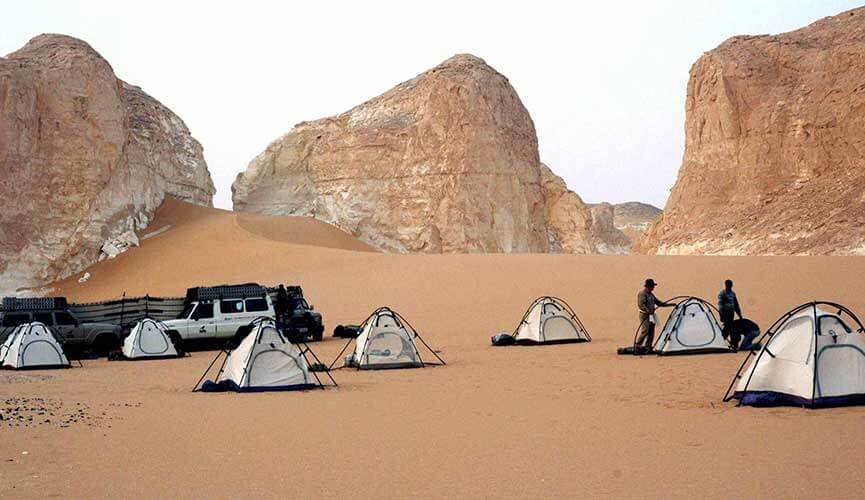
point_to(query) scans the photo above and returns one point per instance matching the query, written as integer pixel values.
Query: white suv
(219, 318)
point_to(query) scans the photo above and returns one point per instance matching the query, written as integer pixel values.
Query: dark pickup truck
(101, 337)
(298, 319)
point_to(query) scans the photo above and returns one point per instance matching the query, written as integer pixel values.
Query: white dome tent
(550, 320)
(264, 361)
(32, 345)
(691, 329)
(149, 339)
(811, 357)
(386, 340)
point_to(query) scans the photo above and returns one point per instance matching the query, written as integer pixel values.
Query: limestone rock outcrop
(608, 238)
(568, 219)
(616, 228)
(445, 162)
(84, 159)
(774, 159)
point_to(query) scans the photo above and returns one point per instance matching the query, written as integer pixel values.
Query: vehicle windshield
(187, 310)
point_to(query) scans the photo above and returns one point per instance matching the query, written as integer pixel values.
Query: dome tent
(264, 360)
(811, 357)
(149, 339)
(32, 345)
(691, 329)
(386, 340)
(550, 320)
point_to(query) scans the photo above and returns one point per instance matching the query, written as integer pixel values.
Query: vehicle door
(232, 317)
(203, 323)
(67, 327)
(256, 308)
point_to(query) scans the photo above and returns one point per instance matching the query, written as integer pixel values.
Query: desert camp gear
(500, 339)
(264, 361)
(813, 356)
(550, 320)
(346, 331)
(691, 329)
(386, 340)
(32, 345)
(149, 338)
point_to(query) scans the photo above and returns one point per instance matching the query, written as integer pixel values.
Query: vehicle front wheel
(105, 343)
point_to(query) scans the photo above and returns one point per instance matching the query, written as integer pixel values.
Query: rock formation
(85, 159)
(607, 237)
(617, 228)
(774, 148)
(568, 219)
(445, 162)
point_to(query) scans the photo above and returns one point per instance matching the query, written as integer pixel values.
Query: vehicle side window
(203, 311)
(231, 306)
(15, 319)
(44, 318)
(64, 318)
(256, 305)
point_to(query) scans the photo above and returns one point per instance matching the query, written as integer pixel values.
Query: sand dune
(539, 422)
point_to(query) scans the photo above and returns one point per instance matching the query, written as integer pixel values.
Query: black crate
(225, 292)
(34, 303)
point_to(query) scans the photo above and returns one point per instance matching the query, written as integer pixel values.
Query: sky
(604, 82)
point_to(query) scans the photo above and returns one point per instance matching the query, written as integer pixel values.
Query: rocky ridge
(445, 162)
(773, 161)
(85, 160)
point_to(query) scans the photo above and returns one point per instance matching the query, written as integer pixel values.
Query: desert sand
(538, 422)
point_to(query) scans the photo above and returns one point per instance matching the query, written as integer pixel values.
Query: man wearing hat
(647, 303)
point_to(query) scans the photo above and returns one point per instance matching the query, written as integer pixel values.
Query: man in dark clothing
(647, 303)
(280, 307)
(728, 306)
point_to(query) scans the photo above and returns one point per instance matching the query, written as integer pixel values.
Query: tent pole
(315, 357)
(815, 330)
(220, 353)
(340, 353)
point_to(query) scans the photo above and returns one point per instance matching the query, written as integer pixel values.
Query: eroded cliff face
(445, 162)
(608, 238)
(85, 159)
(774, 150)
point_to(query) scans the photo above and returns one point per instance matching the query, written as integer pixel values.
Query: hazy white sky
(604, 81)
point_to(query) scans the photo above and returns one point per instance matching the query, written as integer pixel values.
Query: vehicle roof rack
(225, 292)
(34, 303)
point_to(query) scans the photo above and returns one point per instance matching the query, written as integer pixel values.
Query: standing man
(280, 307)
(647, 303)
(728, 306)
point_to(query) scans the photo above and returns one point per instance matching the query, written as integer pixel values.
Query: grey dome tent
(691, 329)
(813, 356)
(550, 320)
(386, 340)
(149, 339)
(265, 360)
(32, 345)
